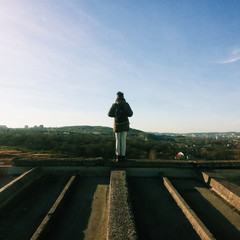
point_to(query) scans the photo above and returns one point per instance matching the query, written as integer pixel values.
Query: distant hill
(85, 129)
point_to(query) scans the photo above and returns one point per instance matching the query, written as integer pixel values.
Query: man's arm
(111, 112)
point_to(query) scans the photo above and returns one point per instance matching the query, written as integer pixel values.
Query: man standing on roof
(120, 111)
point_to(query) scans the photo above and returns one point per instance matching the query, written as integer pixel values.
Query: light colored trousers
(121, 143)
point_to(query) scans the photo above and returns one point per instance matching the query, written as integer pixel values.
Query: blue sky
(177, 62)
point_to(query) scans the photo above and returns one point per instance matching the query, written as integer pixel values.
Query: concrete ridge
(16, 186)
(121, 224)
(52, 212)
(197, 224)
(219, 185)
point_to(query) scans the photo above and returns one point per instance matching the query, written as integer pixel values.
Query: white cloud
(234, 56)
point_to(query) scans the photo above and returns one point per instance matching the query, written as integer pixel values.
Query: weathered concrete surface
(157, 215)
(197, 224)
(4, 180)
(84, 213)
(221, 220)
(121, 224)
(20, 218)
(230, 174)
(53, 211)
(13, 171)
(92, 212)
(15, 187)
(228, 190)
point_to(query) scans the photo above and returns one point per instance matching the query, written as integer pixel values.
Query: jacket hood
(120, 100)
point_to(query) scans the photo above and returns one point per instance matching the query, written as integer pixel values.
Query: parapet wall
(144, 163)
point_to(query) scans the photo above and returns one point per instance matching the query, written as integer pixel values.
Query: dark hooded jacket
(123, 126)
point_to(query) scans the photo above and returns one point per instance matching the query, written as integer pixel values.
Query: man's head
(120, 95)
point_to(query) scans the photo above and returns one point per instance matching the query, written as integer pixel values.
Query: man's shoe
(118, 158)
(124, 158)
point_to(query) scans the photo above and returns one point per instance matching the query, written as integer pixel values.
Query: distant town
(215, 135)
